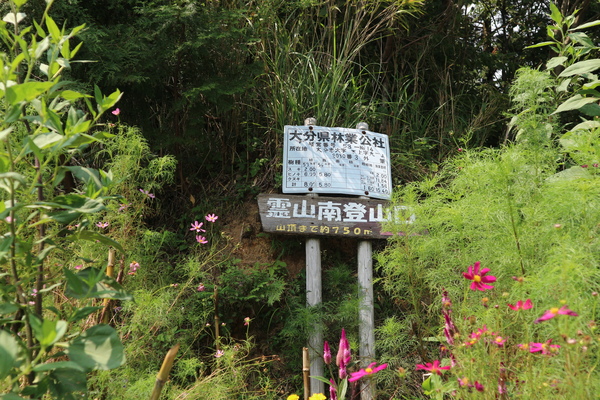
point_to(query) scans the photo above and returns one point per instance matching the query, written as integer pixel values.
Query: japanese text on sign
(331, 216)
(336, 160)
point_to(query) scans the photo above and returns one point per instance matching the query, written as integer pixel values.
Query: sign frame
(333, 160)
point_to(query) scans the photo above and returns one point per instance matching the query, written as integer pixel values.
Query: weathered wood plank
(328, 216)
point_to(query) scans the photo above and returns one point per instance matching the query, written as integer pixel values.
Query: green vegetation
(124, 217)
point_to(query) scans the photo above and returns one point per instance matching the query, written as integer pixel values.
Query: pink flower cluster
(480, 280)
(133, 267)
(197, 227)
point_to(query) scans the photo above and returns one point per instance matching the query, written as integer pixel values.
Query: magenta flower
(201, 239)
(197, 226)
(370, 370)
(477, 275)
(326, 353)
(521, 305)
(342, 372)
(211, 217)
(332, 390)
(147, 193)
(343, 351)
(499, 341)
(200, 288)
(133, 267)
(478, 386)
(78, 266)
(553, 312)
(116, 111)
(434, 367)
(545, 348)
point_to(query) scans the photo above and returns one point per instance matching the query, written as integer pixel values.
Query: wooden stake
(163, 374)
(313, 298)
(105, 315)
(366, 327)
(306, 372)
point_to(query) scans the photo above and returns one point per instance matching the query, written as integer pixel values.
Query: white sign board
(319, 159)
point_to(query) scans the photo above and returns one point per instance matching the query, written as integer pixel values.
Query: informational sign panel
(329, 216)
(319, 159)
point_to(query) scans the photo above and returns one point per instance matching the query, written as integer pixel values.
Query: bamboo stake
(110, 271)
(163, 374)
(306, 371)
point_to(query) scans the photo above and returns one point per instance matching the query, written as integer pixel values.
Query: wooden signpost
(335, 161)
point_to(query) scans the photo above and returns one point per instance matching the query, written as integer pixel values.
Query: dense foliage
(492, 111)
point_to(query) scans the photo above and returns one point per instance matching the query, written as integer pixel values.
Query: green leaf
(582, 39)
(98, 348)
(87, 175)
(575, 103)
(53, 29)
(8, 308)
(26, 91)
(10, 396)
(52, 331)
(555, 14)
(68, 384)
(591, 110)
(110, 100)
(555, 62)
(4, 133)
(93, 283)
(81, 313)
(587, 25)
(57, 365)
(47, 139)
(8, 353)
(540, 45)
(581, 67)
(19, 3)
(95, 236)
(72, 95)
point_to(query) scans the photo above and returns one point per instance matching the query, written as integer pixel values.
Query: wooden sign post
(366, 312)
(314, 290)
(323, 160)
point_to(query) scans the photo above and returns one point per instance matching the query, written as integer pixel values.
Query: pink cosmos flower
(78, 266)
(147, 193)
(246, 321)
(477, 275)
(326, 353)
(553, 312)
(197, 226)
(521, 305)
(370, 370)
(499, 341)
(102, 225)
(201, 239)
(434, 367)
(211, 217)
(116, 111)
(545, 348)
(200, 288)
(219, 353)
